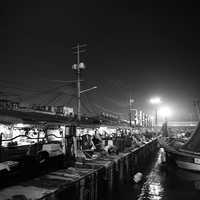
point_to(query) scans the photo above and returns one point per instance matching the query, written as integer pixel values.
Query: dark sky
(134, 47)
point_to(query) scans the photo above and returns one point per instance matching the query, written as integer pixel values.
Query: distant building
(65, 111)
(59, 110)
(6, 104)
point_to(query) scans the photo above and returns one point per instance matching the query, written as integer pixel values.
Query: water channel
(162, 182)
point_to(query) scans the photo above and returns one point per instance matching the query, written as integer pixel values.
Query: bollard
(162, 155)
(138, 177)
(82, 184)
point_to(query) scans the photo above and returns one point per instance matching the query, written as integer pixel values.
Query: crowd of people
(103, 142)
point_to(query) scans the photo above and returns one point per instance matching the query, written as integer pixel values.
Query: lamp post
(151, 118)
(165, 113)
(156, 101)
(131, 101)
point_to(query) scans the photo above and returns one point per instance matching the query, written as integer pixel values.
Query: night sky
(136, 48)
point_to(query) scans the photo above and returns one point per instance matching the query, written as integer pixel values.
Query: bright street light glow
(165, 112)
(152, 117)
(155, 100)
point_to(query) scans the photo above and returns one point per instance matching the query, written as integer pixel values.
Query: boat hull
(188, 165)
(183, 160)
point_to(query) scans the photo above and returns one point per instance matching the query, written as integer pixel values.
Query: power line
(53, 99)
(45, 92)
(70, 100)
(90, 102)
(63, 81)
(107, 110)
(86, 108)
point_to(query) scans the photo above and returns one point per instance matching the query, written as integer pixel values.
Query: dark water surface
(162, 182)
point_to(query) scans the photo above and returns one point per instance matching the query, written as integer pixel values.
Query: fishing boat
(185, 155)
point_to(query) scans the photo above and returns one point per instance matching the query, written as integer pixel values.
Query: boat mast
(197, 108)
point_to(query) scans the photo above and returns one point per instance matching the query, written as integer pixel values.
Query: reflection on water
(153, 188)
(163, 182)
(169, 182)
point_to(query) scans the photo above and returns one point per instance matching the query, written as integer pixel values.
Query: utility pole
(156, 117)
(78, 67)
(131, 101)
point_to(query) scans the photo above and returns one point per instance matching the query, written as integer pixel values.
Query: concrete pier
(88, 180)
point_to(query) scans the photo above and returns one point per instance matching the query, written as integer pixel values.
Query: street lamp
(165, 112)
(155, 101)
(131, 101)
(151, 121)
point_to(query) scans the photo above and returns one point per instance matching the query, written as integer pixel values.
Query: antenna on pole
(78, 67)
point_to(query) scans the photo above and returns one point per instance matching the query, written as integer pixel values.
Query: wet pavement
(162, 182)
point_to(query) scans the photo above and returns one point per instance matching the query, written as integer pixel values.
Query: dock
(89, 180)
